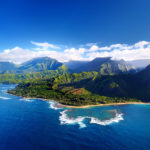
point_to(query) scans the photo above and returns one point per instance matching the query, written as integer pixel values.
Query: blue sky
(71, 25)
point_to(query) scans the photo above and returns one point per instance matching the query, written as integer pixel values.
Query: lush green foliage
(30, 77)
(64, 95)
(39, 64)
(81, 89)
(34, 65)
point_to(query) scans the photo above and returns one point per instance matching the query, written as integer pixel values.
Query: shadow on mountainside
(129, 86)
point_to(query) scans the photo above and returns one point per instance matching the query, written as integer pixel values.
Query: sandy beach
(59, 105)
(111, 104)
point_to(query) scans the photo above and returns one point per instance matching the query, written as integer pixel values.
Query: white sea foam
(64, 119)
(1, 97)
(53, 105)
(116, 119)
(26, 100)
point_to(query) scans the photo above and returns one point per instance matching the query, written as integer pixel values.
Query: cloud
(74, 54)
(107, 48)
(139, 50)
(44, 46)
(16, 55)
(19, 55)
(94, 48)
(141, 44)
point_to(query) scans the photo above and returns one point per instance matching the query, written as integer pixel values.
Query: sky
(74, 29)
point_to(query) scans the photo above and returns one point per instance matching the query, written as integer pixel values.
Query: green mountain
(106, 66)
(39, 68)
(68, 89)
(6, 67)
(89, 88)
(122, 85)
(39, 64)
(35, 65)
(86, 88)
(32, 76)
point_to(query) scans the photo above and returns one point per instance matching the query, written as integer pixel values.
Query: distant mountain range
(101, 80)
(105, 66)
(141, 63)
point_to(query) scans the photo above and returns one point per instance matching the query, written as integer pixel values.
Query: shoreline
(59, 105)
(111, 104)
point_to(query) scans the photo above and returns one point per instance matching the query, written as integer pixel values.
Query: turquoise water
(33, 124)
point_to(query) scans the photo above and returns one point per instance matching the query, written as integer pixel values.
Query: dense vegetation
(39, 64)
(67, 95)
(34, 65)
(32, 76)
(83, 88)
(123, 85)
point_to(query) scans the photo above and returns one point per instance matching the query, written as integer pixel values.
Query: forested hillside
(34, 65)
(90, 88)
(30, 77)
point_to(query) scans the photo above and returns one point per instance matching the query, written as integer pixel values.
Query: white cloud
(105, 48)
(74, 54)
(16, 55)
(126, 52)
(141, 44)
(44, 45)
(94, 48)
(19, 55)
(139, 50)
(97, 48)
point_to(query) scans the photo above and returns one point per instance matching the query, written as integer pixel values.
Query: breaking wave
(116, 119)
(1, 97)
(65, 119)
(53, 105)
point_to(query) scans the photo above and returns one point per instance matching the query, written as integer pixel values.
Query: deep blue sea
(33, 124)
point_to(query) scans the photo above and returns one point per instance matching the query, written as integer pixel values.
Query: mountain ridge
(105, 65)
(34, 65)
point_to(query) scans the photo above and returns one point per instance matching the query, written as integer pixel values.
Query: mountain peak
(105, 65)
(40, 64)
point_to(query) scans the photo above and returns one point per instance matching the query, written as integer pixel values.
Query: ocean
(34, 124)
